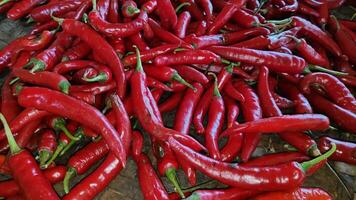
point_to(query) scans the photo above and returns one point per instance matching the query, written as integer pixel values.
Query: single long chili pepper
(342, 117)
(94, 88)
(265, 178)
(188, 57)
(51, 25)
(25, 170)
(73, 65)
(182, 24)
(260, 42)
(55, 102)
(171, 103)
(149, 54)
(232, 146)
(299, 122)
(46, 145)
(82, 160)
(23, 58)
(166, 14)
(76, 52)
(24, 118)
(278, 62)
(230, 90)
(137, 40)
(45, 78)
(230, 38)
(163, 34)
(223, 194)
(345, 151)
(9, 105)
(100, 47)
(191, 74)
(153, 83)
(334, 88)
(306, 10)
(137, 145)
(53, 175)
(204, 40)
(22, 8)
(301, 104)
(305, 193)
(129, 9)
(193, 9)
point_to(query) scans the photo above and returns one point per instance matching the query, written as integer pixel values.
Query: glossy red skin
(73, 65)
(48, 141)
(193, 9)
(230, 90)
(53, 175)
(223, 17)
(9, 106)
(201, 28)
(189, 73)
(277, 62)
(204, 40)
(333, 87)
(125, 8)
(28, 43)
(348, 80)
(137, 40)
(102, 8)
(166, 14)
(114, 15)
(264, 178)
(29, 177)
(149, 54)
(292, 6)
(45, 78)
(117, 29)
(276, 159)
(77, 52)
(310, 54)
(260, 42)
(301, 103)
(153, 83)
(171, 103)
(349, 24)
(305, 193)
(87, 97)
(168, 161)
(162, 73)
(224, 194)
(22, 8)
(149, 6)
(137, 144)
(316, 34)
(150, 184)
(230, 38)
(187, 57)
(100, 47)
(186, 108)
(163, 34)
(244, 19)
(182, 24)
(79, 76)
(282, 39)
(56, 102)
(39, 28)
(94, 88)
(252, 111)
(6, 7)
(345, 151)
(24, 118)
(86, 157)
(23, 58)
(306, 10)
(289, 123)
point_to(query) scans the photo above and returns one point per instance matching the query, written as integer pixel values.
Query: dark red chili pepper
(306, 10)
(276, 159)
(166, 14)
(171, 103)
(292, 6)
(340, 116)
(230, 38)
(305, 193)
(278, 62)
(129, 9)
(188, 57)
(345, 151)
(182, 24)
(333, 87)
(46, 146)
(25, 170)
(348, 80)
(22, 8)
(207, 6)
(114, 15)
(77, 52)
(137, 40)
(163, 34)
(349, 24)
(39, 28)
(53, 175)
(6, 7)
(224, 16)
(56, 102)
(193, 9)
(223, 194)
(9, 105)
(301, 104)
(259, 42)
(265, 178)
(299, 122)
(191, 74)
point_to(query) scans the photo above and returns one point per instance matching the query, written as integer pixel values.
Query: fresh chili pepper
(166, 14)
(137, 145)
(151, 82)
(5, 7)
(53, 175)
(59, 124)
(171, 103)
(76, 52)
(230, 90)
(274, 61)
(276, 159)
(193, 9)
(137, 40)
(230, 38)
(333, 87)
(306, 10)
(232, 110)
(301, 104)
(299, 122)
(149, 6)
(187, 57)
(266, 178)
(223, 194)
(56, 102)
(94, 88)
(348, 80)
(201, 28)
(342, 117)
(23, 58)
(163, 34)
(305, 193)
(46, 146)
(207, 6)
(182, 24)
(204, 40)
(259, 42)
(224, 16)
(9, 105)
(345, 151)
(25, 170)
(39, 28)
(22, 8)
(349, 24)
(100, 47)
(129, 9)
(81, 75)
(191, 74)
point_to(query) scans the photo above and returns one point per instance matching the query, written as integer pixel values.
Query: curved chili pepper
(166, 14)
(187, 57)
(82, 160)
(278, 62)
(53, 175)
(129, 9)
(94, 88)
(22, 8)
(265, 178)
(191, 74)
(232, 147)
(25, 170)
(301, 104)
(163, 34)
(305, 193)
(45, 78)
(230, 38)
(223, 194)
(100, 47)
(46, 146)
(9, 105)
(149, 6)
(171, 103)
(55, 102)
(224, 16)
(151, 82)
(137, 40)
(345, 151)
(76, 52)
(22, 59)
(260, 42)
(334, 88)
(182, 24)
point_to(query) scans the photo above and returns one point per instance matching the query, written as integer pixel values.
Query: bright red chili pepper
(204, 40)
(301, 104)
(153, 83)
(22, 8)
(77, 52)
(129, 9)
(306, 10)
(9, 105)
(81, 75)
(163, 34)
(201, 28)
(188, 57)
(137, 40)
(276, 159)
(193, 9)
(182, 24)
(345, 151)
(166, 14)
(137, 145)
(230, 38)
(171, 103)
(222, 194)
(94, 88)
(304, 193)
(259, 42)
(46, 146)
(333, 87)
(207, 6)
(191, 74)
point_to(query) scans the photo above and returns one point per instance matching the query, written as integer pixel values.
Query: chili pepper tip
(308, 164)
(14, 147)
(172, 177)
(69, 175)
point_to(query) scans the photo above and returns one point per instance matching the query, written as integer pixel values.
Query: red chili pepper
(163, 34)
(348, 80)
(114, 15)
(22, 59)
(22, 8)
(278, 62)
(166, 14)
(282, 38)
(187, 57)
(333, 87)
(193, 9)
(342, 117)
(306, 10)
(39, 28)
(345, 151)
(9, 105)
(82, 74)
(25, 170)
(259, 42)
(182, 24)
(204, 40)
(153, 83)
(301, 104)
(201, 28)
(191, 74)
(94, 88)
(149, 6)
(77, 52)
(223, 194)
(100, 47)
(165, 74)
(230, 38)
(349, 24)
(137, 145)
(129, 9)
(55, 102)
(5, 7)
(171, 103)
(276, 159)
(230, 90)
(137, 40)
(53, 175)
(46, 145)
(305, 193)
(265, 178)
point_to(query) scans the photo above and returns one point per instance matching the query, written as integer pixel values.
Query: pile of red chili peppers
(107, 71)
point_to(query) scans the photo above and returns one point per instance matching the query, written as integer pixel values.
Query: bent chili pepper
(305, 193)
(301, 103)
(25, 170)
(182, 24)
(22, 8)
(345, 151)
(224, 16)
(187, 57)
(46, 146)
(9, 105)
(265, 178)
(55, 102)
(76, 52)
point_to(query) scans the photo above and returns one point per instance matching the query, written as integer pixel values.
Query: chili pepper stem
(14, 147)
(58, 20)
(329, 71)
(314, 151)
(280, 22)
(60, 147)
(172, 177)
(38, 65)
(308, 164)
(133, 10)
(71, 143)
(60, 125)
(14, 80)
(178, 78)
(64, 87)
(44, 156)
(94, 5)
(69, 175)
(193, 196)
(101, 77)
(139, 67)
(180, 6)
(5, 2)
(216, 89)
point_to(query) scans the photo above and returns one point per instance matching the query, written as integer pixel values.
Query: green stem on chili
(172, 177)
(180, 6)
(14, 147)
(309, 164)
